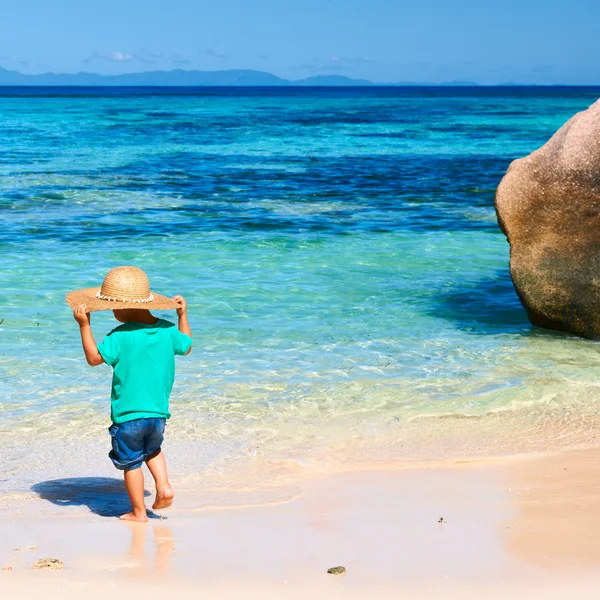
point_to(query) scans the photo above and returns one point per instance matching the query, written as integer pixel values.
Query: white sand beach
(521, 528)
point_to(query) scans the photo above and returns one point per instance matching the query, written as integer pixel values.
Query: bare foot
(164, 498)
(136, 518)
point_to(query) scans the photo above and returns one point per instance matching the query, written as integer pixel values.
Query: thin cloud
(120, 56)
(148, 57)
(111, 57)
(180, 60)
(217, 53)
(334, 63)
(23, 63)
(543, 70)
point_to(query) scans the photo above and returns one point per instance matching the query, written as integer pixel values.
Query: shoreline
(508, 526)
(197, 464)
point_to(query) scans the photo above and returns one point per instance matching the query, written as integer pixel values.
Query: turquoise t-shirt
(143, 361)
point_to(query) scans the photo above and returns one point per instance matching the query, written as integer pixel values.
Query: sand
(521, 528)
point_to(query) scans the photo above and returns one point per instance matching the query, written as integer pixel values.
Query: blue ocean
(348, 286)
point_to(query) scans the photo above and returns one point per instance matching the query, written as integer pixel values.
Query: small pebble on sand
(336, 570)
(49, 563)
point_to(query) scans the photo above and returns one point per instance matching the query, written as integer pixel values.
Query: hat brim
(88, 297)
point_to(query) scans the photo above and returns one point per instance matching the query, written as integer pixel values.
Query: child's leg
(158, 467)
(134, 482)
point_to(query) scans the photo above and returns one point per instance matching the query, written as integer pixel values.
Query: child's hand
(82, 317)
(182, 310)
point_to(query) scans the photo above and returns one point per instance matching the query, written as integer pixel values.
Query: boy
(141, 352)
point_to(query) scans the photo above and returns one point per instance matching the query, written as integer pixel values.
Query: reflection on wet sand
(164, 546)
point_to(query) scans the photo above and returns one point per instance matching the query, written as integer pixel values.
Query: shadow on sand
(104, 496)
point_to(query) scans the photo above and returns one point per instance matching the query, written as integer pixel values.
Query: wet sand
(520, 527)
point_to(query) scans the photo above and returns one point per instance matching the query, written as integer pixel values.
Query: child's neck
(137, 316)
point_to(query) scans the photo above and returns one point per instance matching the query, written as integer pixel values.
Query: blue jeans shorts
(135, 441)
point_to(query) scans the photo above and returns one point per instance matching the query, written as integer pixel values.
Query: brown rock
(548, 206)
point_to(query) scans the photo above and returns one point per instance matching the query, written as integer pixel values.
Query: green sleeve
(181, 342)
(110, 348)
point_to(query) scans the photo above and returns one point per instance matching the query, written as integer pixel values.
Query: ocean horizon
(442, 89)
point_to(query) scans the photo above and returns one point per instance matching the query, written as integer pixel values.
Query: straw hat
(123, 287)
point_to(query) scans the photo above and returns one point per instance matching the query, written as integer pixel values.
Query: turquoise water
(347, 283)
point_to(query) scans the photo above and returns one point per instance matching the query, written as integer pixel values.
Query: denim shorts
(135, 441)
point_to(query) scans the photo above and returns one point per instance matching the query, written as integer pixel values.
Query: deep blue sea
(348, 286)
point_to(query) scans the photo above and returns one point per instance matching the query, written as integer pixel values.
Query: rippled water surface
(347, 282)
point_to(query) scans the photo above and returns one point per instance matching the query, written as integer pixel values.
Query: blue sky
(486, 41)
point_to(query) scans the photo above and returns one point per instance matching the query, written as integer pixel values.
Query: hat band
(101, 296)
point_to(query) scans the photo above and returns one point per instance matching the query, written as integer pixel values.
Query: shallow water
(347, 282)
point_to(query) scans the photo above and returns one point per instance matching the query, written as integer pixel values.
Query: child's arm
(184, 326)
(90, 348)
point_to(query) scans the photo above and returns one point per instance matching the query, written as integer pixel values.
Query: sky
(431, 41)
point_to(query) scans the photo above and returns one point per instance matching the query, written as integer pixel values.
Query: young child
(141, 353)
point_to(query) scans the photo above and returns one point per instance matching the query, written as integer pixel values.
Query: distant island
(183, 78)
